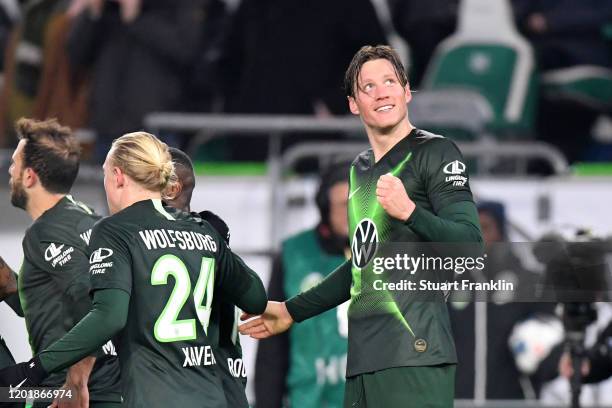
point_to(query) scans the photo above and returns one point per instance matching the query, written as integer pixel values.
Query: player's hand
(76, 381)
(275, 320)
(28, 374)
(567, 370)
(392, 196)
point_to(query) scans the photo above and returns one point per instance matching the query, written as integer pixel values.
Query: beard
(19, 198)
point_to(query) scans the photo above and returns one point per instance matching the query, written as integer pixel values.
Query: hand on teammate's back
(275, 320)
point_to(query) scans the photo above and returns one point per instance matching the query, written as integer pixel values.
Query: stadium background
(488, 86)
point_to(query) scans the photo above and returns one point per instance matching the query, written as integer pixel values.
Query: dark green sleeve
(106, 318)
(239, 283)
(14, 303)
(332, 291)
(457, 222)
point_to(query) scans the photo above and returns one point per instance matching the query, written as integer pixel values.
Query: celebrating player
(153, 279)
(53, 281)
(411, 186)
(224, 318)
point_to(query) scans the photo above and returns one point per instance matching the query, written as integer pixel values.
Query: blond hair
(145, 159)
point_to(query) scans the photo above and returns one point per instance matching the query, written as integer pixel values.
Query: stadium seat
(487, 59)
(585, 84)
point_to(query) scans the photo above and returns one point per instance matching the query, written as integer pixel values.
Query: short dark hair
(180, 158)
(369, 53)
(52, 151)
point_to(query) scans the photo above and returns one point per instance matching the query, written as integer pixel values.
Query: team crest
(364, 243)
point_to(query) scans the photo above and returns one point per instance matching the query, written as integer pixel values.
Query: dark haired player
(411, 186)
(54, 281)
(224, 321)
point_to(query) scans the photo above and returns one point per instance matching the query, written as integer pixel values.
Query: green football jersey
(223, 326)
(172, 268)
(54, 288)
(317, 351)
(385, 331)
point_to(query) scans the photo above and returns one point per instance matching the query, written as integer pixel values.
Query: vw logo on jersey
(52, 251)
(99, 255)
(364, 243)
(455, 167)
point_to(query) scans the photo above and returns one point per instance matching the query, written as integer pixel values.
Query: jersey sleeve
(110, 263)
(446, 175)
(238, 282)
(65, 264)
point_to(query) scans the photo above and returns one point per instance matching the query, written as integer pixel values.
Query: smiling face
(380, 99)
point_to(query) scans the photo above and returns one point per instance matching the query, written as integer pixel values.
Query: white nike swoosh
(18, 385)
(353, 192)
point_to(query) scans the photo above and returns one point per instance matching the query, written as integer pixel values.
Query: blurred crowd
(104, 64)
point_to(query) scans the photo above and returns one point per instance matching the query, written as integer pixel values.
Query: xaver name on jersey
(455, 171)
(198, 356)
(56, 254)
(167, 238)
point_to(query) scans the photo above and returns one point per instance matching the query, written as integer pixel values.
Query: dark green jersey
(173, 269)
(385, 332)
(223, 328)
(54, 288)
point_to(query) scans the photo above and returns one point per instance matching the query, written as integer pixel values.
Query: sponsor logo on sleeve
(57, 255)
(455, 171)
(97, 266)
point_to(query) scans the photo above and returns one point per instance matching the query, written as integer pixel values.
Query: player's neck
(382, 141)
(134, 196)
(40, 202)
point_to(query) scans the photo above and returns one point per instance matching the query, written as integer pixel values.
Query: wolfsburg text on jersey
(167, 238)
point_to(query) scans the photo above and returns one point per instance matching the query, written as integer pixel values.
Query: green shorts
(402, 387)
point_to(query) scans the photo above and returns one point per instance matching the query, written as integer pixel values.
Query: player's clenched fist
(275, 320)
(392, 196)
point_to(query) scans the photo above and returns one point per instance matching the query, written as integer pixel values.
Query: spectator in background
(499, 378)
(139, 51)
(270, 60)
(270, 54)
(9, 14)
(565, 33)
(39, 81)
(423, 24)
(306, 365)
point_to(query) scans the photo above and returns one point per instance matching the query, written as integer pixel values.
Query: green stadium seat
(486, 56)
(586, 84)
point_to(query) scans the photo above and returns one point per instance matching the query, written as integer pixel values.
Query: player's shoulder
(432, 149)
(428, 141)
